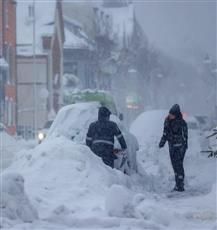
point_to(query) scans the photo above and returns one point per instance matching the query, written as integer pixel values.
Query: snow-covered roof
(44, 24)
(72, 21)
(73, 41)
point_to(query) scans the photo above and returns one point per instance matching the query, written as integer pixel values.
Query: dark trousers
(108, 161)
(105, 152)
(177, 155)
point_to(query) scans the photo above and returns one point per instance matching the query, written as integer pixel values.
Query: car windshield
(48, 124)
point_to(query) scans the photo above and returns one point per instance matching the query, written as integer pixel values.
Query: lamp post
(34, 74)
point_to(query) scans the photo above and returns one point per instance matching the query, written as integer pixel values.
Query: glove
(161, 145)
(125, 152)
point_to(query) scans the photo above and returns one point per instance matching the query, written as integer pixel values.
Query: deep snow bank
(60, 166)
(9, 146)
(71, 187)
(14, 203)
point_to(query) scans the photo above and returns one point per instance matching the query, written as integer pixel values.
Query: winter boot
(180, 186)
(175, 189)
(181, 189)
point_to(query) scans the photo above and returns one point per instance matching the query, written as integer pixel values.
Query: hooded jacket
(175, 130)
(103, 131)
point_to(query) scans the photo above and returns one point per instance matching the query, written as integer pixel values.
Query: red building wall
(1, 27)
(8, 28)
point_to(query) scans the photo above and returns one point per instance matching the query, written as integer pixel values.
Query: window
(71, 67)
(31, 11)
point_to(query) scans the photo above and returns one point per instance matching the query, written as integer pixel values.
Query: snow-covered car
(43, 132)
(73, 121)
(148, 126)
(103, 97)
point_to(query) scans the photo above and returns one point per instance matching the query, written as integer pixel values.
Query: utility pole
(34, 76)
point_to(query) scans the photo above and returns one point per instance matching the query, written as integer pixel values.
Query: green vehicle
(103, 97)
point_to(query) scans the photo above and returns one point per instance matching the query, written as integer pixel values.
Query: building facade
(8, 69)
(40, 63)
(78, 54)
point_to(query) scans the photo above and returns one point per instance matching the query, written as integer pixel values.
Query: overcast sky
(184, 29)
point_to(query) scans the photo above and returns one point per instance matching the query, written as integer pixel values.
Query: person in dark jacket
(176, 133)
(100, 137)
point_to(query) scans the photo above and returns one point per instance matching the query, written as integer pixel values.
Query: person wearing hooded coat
(100, 137)
(176, 133)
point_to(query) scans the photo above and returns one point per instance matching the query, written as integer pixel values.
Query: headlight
(41, 136)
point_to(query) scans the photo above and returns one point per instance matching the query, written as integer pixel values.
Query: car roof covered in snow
(148, 125)
(73, 120)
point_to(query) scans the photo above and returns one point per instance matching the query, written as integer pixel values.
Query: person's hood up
(175, 110)
(103, 113)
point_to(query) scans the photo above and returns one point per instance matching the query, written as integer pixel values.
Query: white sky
(184, 29)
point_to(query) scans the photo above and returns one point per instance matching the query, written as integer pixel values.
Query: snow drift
(8, 147)
(60, 166)
(14, 203)
(72, 188)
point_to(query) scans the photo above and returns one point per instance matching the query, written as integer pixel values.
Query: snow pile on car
(14, 203)
(149, 126)
(72, 121)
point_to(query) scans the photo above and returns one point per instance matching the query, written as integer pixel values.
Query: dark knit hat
(175, 110)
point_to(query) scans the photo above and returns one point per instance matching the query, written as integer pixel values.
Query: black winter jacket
(175, 132)
(103, 131)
